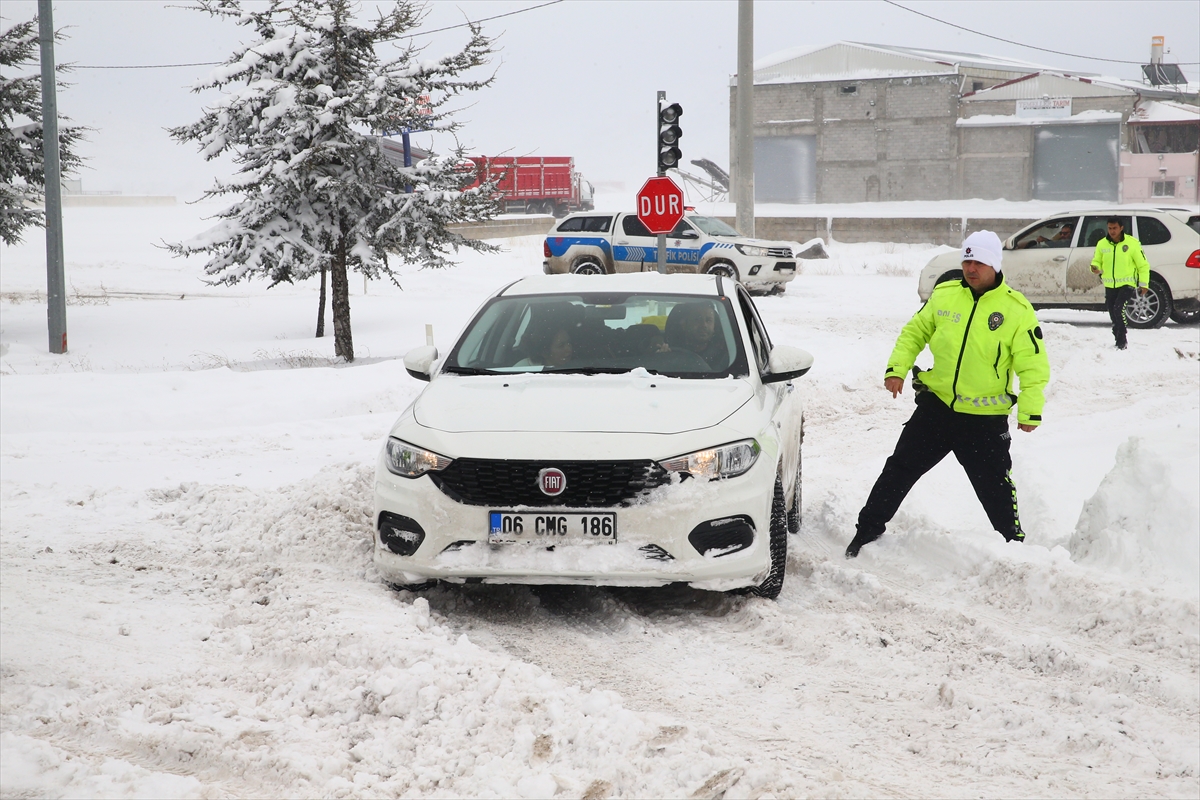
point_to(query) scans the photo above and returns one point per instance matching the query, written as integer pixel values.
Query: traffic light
(669, 134)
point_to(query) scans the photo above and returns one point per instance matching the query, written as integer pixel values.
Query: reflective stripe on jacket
(1122, 263)
(977, 345)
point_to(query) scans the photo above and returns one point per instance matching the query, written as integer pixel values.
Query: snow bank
(1144, 518)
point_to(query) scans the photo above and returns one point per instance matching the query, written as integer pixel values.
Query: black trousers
(1115, 300)
(980, 443)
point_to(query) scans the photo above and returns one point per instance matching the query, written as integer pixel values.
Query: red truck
(536, 184)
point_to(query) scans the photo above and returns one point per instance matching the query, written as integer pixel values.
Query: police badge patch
(1125, 249)
(995, 320)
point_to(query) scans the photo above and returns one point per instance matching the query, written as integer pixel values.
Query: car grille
(590, 484)
(779, 252)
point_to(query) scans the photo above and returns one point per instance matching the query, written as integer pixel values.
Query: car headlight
(727, 461)
(412, 462)
(751, 250)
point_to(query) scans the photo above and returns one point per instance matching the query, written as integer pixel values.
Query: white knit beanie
(984, 247)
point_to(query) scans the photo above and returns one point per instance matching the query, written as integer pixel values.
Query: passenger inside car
(692, 327)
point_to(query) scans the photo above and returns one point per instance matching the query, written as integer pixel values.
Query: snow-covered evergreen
(301, 109)
(22, 167)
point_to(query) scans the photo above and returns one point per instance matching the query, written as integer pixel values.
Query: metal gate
(1075, 162)
(785, 169)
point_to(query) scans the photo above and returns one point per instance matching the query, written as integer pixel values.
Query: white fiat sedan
(617, 430)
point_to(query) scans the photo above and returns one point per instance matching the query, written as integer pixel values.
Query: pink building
(1162, 163)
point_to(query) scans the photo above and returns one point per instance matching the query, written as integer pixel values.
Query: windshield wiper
(457, 370)
(588, 371)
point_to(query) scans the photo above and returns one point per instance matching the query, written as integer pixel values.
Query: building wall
(1139, 171)
(888, 139)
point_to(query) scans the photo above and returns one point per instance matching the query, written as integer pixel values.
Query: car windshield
(684, 336)
(711, 226)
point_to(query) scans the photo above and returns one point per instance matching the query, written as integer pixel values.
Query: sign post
(659, 208)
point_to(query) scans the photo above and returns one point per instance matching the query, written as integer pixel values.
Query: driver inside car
(693, 326)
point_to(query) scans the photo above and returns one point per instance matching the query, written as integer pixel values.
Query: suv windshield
(682, 336)
(711, 226)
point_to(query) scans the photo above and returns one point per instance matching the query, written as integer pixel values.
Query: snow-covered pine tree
(299, 114)
(22, 167)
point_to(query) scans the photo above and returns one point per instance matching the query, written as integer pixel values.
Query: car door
(1036, 265)
(1083, 285)
(683, 248)
(778, 399)
(635, 249)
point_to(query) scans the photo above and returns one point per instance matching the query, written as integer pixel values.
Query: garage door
(1075, 162)
(785, 169)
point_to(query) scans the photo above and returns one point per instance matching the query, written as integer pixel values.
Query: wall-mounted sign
(1055, 107)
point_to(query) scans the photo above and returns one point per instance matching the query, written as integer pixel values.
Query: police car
(599, 243)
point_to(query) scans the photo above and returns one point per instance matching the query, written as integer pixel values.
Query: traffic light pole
(56, 284)
(662, 237)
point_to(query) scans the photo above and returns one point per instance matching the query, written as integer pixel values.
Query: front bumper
(652, 549)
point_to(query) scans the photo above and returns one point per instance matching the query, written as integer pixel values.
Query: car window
(758, 334)
(680, 229)
(634, 227)
(685, 336)
(1194, 223)
(1152, 231)
(1096, 228)
(1051, 233)
(585, 224)
(712, 226)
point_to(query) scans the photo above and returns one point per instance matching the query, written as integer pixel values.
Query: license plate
(510, 527)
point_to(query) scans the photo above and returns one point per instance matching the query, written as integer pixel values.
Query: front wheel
(793, 514)
(772, 585)
(1149, 310)
(724, 269)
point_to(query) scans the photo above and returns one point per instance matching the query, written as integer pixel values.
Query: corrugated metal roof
(1047, 84)
(861, 61)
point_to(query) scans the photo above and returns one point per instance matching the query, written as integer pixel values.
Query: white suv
(621, 430)
(1050, 263)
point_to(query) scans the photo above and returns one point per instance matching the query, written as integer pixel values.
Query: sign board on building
(1053, 107)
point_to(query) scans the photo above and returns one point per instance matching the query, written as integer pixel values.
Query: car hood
(629, 403)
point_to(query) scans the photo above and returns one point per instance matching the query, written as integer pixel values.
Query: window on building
(850, 89)
(1162, 189)
(1169, 138)
(977, 86)
(1151, 231)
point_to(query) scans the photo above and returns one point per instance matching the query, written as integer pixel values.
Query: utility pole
(56, 284)
(743, 171)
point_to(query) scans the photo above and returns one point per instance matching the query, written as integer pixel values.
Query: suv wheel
(724, 269)
(1152, 309)
(587, 266)
(1186, 317)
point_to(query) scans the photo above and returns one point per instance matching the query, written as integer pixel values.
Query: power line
(406, 36)
(1019, 44)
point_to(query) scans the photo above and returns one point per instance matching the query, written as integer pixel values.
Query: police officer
(980, 332)
(1121, 264)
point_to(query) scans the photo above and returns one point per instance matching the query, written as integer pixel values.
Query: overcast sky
(576, 78)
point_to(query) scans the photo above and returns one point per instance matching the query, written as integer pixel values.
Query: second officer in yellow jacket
(1122, 266)
(981, 332)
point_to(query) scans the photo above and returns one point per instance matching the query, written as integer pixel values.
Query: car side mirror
(688, 235)
(419, 361)
(787, 363)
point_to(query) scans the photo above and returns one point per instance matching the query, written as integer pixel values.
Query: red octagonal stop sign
(660, 205)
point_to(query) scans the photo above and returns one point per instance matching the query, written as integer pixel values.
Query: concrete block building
(854, 122)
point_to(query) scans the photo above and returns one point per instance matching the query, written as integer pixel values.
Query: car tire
(950, 275)
(1188, 317)
(794, 513)
(773, 583)
(587, 266)
(724, 269)
(412, 587)
(1152, 309)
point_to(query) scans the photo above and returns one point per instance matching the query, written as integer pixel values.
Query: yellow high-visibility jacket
(1122, 263)
(977, 345)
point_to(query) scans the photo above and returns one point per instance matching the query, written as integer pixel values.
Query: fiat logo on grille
(552, 481)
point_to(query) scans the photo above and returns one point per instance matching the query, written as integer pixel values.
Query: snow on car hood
(636, 402)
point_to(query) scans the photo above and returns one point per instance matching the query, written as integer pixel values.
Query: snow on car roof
(626, 282)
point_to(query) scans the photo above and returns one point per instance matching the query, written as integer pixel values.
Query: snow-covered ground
(188, 606)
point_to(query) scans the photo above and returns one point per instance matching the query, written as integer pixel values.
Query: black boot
(857, 543)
